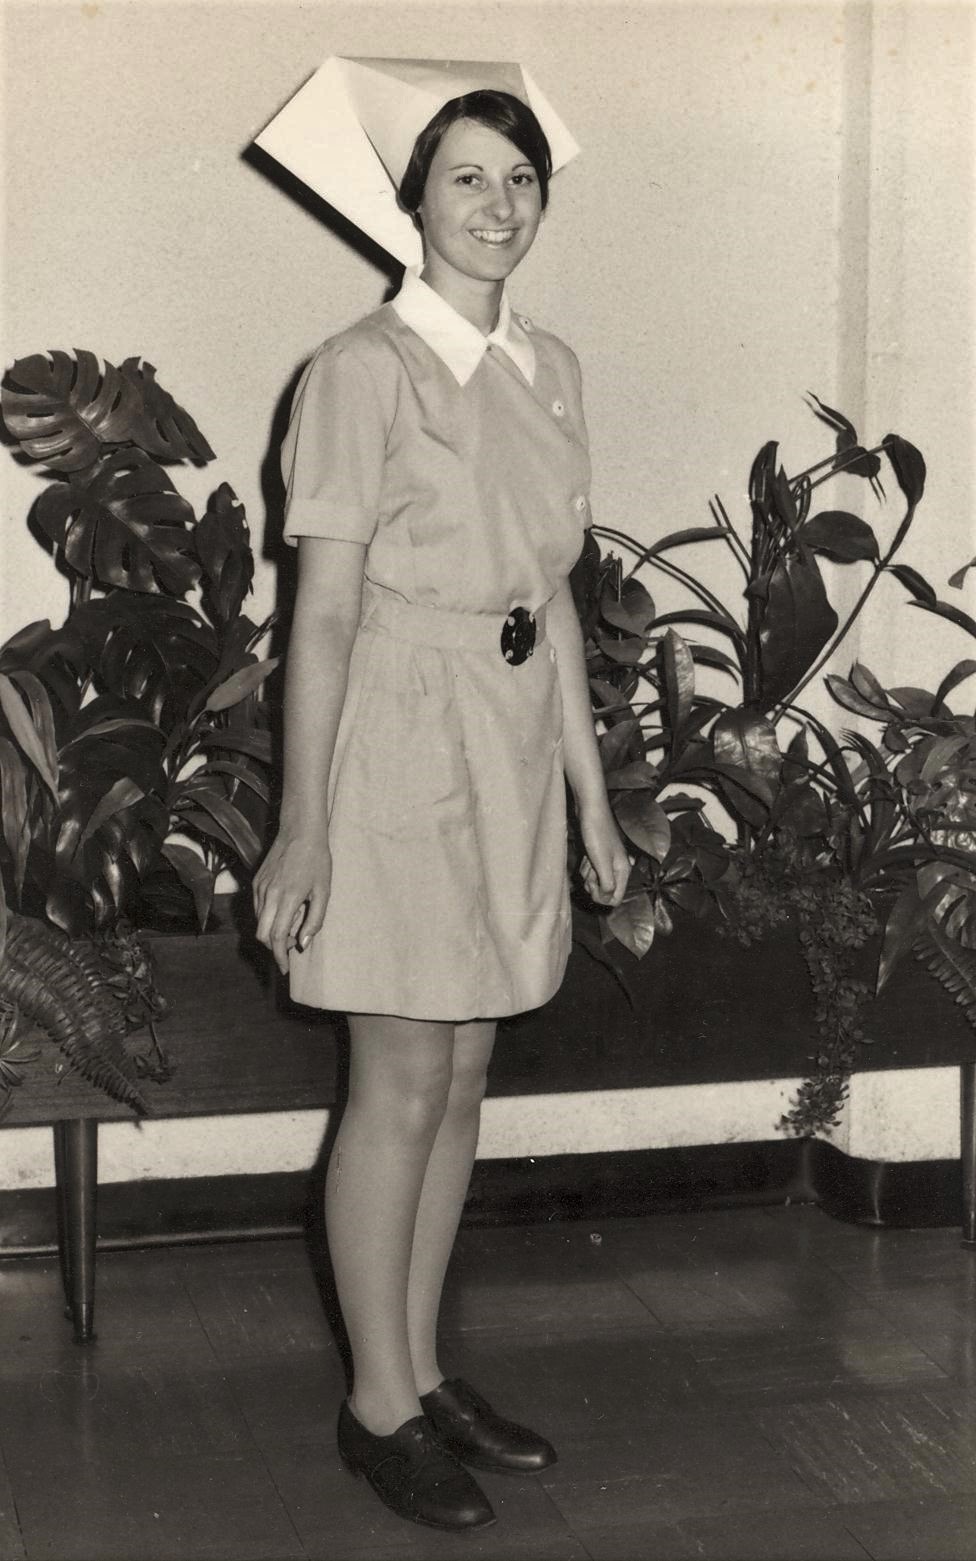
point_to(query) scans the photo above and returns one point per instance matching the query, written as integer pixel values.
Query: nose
(500, 202)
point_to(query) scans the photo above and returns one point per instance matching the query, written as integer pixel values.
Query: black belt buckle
(518, 636)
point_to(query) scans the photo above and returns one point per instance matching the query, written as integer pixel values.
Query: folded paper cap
(349, 131)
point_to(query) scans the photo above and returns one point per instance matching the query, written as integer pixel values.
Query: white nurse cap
(349, 131)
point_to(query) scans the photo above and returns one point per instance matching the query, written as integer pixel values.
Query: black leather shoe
(413, 1475)
(469, 1428)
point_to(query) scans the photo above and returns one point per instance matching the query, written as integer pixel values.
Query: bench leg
(968, 1151)
(76, 1173)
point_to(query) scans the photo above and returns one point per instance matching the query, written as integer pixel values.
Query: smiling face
(480, 210)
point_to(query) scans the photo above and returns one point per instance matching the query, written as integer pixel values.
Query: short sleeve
(333, 454)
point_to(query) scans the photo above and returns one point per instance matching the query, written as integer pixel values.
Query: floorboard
(752, 1383)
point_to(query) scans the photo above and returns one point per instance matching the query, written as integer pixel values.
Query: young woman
(436, 699)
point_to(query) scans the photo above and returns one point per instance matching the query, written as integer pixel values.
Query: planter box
(704, 1010)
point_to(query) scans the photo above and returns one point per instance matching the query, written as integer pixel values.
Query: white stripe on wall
(912, 1114)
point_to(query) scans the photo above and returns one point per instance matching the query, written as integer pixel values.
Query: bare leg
(399, 1083)
(442, 1199)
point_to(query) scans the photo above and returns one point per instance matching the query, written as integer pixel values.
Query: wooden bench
(704, 1011)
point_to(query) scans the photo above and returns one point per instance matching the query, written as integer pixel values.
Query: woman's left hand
(605, 868)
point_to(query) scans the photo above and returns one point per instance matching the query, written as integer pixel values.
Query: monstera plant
(134, 741)
(787, 820)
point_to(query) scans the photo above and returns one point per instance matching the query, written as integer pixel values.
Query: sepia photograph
(488, 780)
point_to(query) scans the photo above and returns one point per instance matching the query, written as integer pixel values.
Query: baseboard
(902, 1194)
(549, 1187)
(626, 1183)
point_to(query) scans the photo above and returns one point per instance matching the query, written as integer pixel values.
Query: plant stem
(837, 463)
(721, 518)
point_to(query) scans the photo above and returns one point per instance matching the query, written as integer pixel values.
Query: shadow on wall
(274, 549)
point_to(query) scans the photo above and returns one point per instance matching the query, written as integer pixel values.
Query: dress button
(579, 503)
(558, 408)
(524, 321)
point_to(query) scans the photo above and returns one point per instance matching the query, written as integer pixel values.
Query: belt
(513, 635)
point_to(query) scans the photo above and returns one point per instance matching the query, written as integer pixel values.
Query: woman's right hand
(291, 892)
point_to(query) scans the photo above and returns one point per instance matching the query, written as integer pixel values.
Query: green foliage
(81, 997)
(134, 742)
(824, 829)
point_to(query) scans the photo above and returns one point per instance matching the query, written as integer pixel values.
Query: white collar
(458, 343)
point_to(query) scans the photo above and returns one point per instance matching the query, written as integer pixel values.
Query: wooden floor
(754, 1383)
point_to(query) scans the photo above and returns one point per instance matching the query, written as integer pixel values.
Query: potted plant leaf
(134, 740)
(787, 823)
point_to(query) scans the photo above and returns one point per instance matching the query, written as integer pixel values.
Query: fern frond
(58, 985)
(952, 965)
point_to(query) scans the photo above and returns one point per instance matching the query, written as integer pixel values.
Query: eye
(469, 180)
(523, 178)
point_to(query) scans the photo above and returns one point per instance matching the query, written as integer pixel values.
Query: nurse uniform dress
(461, 462)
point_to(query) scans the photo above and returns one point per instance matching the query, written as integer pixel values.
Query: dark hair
(498, 111)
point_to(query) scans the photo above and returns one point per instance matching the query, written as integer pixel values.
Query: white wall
(771, 199)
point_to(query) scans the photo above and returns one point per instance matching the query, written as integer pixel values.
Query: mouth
(495, 238)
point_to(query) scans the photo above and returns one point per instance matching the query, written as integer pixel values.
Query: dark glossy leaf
(803, 809)
(110, 825)
(679, 539)
(254, 742)
(682, 802)
(55, 656)
(750, 780)
(858, 462)
(620, 742)
(122, 794)
(110, 726)
(908, 921)
(39, 703)
(607, 697)
(959, 576)
(585, 580)
(25, 734)
(847, 695)
(63, 409)
(908, 466)
(762, 476)
(240, 684)
(194, 873)
(711, 656)
(637, 776)
(627, 651)
(894, 738)
(125, 526)
(745, 742)
(152, 650)
(840, 536)
(633, 612)
(163, 429)
(223, 546)
(869, 688)
(233, 827)
(913, 581)
(645, 822)
(712, 620)
(246, 774)
(917, 703)
(959, 673)
(13, 801)
(940, 752)
(794, 626)
(835, 420)
(953, 614)
(634, 923)
(678, 678)
(796, 764)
